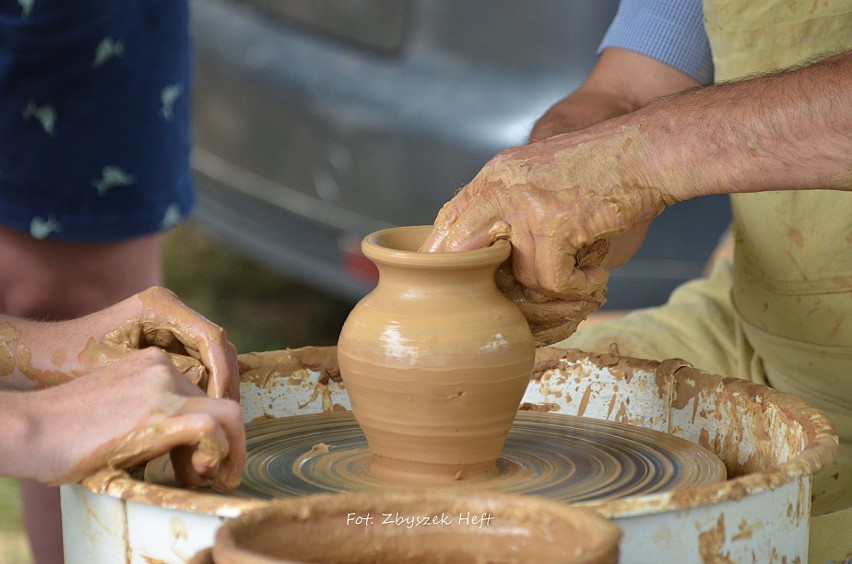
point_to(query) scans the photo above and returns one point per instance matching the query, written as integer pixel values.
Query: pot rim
(386, 247)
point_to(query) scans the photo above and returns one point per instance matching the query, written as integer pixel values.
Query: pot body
(436, 359)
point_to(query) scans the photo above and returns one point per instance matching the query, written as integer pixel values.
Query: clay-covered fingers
(466, 222)
(204, 436)
(220, 358)
(485, 209)
(205, 447)
(507, 201)
(550, 319)
(131, 411)
(542, 259)
(172, 325)
(206, 443)
(556, 320)
(580, 276)
(538, 264)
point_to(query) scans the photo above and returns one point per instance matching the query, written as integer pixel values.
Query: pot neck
(420, 279)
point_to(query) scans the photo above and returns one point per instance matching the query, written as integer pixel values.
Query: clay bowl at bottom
(415, 527)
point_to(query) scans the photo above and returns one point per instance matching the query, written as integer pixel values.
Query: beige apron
(792, 270)
(782, 314)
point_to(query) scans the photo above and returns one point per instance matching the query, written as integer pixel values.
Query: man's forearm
(621, 82)
(790, 130)
(578, 110)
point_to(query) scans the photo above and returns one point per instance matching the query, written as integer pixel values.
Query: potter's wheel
(771, 443)
(561, 457)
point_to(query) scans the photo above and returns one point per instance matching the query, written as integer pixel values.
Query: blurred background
(317, 122)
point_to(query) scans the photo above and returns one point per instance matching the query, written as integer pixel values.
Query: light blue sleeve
(671, 31)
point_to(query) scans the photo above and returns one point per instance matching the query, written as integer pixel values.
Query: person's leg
(54, 280)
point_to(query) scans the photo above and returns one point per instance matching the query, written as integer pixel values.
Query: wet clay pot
(435, 360)
(403, 528)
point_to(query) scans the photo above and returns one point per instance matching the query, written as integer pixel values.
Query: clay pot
(435, 359)
(393, 528)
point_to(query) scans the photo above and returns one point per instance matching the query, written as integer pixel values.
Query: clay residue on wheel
(804, 438)
(263, 368)
(765, 437)
(290, 382)
(119, 484)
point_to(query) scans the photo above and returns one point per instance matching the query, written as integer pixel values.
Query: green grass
(10, 506)
(13, 544)
(260, 310)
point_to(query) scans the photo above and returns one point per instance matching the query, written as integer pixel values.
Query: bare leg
(53, 280)
(43, 521)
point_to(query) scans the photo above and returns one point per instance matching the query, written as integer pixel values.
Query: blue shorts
(94, 117)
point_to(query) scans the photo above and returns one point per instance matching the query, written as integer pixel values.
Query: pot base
(421, 473)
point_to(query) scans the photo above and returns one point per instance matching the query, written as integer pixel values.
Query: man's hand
(555, 201)
(550, 320)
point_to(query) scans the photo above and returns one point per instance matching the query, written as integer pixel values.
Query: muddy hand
(156, 317)
(551, 319)
(551, 199)
(130, 412)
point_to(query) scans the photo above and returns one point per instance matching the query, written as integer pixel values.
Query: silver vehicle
(319, 121)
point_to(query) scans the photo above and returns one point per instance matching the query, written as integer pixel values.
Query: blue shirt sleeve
(671, 31)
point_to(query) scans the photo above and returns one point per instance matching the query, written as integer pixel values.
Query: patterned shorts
(94, 117)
